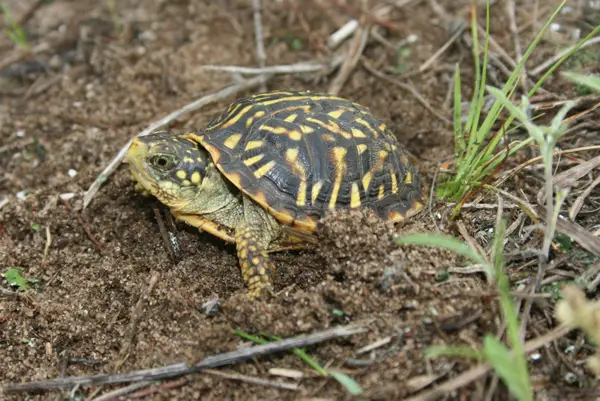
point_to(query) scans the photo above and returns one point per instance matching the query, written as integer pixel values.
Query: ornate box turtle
(262, 173)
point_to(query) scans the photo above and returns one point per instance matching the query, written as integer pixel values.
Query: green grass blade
(500, 358)
(459, 140)
(442, 241)
(347, 382)
(302, 355)
(470, 126)
(460, 352)
(585, 80)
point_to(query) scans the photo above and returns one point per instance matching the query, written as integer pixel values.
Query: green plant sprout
(476, 155)
(14, 31)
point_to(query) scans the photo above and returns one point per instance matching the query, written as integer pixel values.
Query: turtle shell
(300, 154)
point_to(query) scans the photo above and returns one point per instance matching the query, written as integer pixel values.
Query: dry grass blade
(583, 237)
(181, 369)
(548, 63)
(578, 204)
(195, 105)
(252, 380)
(356, 49)
(279, 69)
(569, 178)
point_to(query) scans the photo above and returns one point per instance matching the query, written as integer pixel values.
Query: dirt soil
(108, 298)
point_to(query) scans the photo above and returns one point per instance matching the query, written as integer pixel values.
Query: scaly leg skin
(255, 263)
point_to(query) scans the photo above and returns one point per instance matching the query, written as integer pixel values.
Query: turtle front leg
(254, 260)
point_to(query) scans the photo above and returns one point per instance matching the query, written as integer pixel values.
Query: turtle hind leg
(254, 261)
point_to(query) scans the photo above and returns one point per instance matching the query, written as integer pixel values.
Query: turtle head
(168, 166)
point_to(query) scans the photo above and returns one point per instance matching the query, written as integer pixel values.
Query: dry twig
(252, 380)
(354, 54)
(260, 44)
(181, 369)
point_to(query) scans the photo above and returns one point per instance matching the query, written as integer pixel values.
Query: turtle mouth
(135, 158)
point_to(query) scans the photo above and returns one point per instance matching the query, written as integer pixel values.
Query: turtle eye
(163, 162)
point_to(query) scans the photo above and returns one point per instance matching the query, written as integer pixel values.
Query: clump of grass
(476, 144)
(510, 365)
(14, 31)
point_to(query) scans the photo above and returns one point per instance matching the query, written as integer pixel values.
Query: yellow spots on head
(366, 124)
(358, 133)
(181, 174)
(254, 159)
(306, 129)
(361, 148)
(381, 193)
(336, 113)
(382, 127)
(408, 177)
(243, 253)
(366, 180)
(316, 188)
(339, 164)
(196, 178)
(291, 118)
(255, 261)
(354, 196)
(186, 183)
(232, 141)
(388, 147)
(235, 116)
(253, 145)
(262, 271)
(264, 169)
(295, 135)
(394, 181)
(188, 159)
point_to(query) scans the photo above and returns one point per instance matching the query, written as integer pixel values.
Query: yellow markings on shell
(306, 129)
(354, 196)
(328, 138)
(369, 127)
(295, 135)
(232, 141)
(330, 126)
(235, 179)
(366, 180)
(316, 188)
(236, 117)
(196, 177)
(339, 164)
(264, 169)
(358, 133)
(394, 181)
(181, 174)
(253, 145)
(381, 193)
(408, 178)
(291, 118)
(382, 127)
(336, 113)
(253, 160)
(361, 148)
(291, 156)
(294, 99)
(255, 261)
(258, 114)
(274, 130)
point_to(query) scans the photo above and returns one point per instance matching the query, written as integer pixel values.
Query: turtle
(264, 172)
